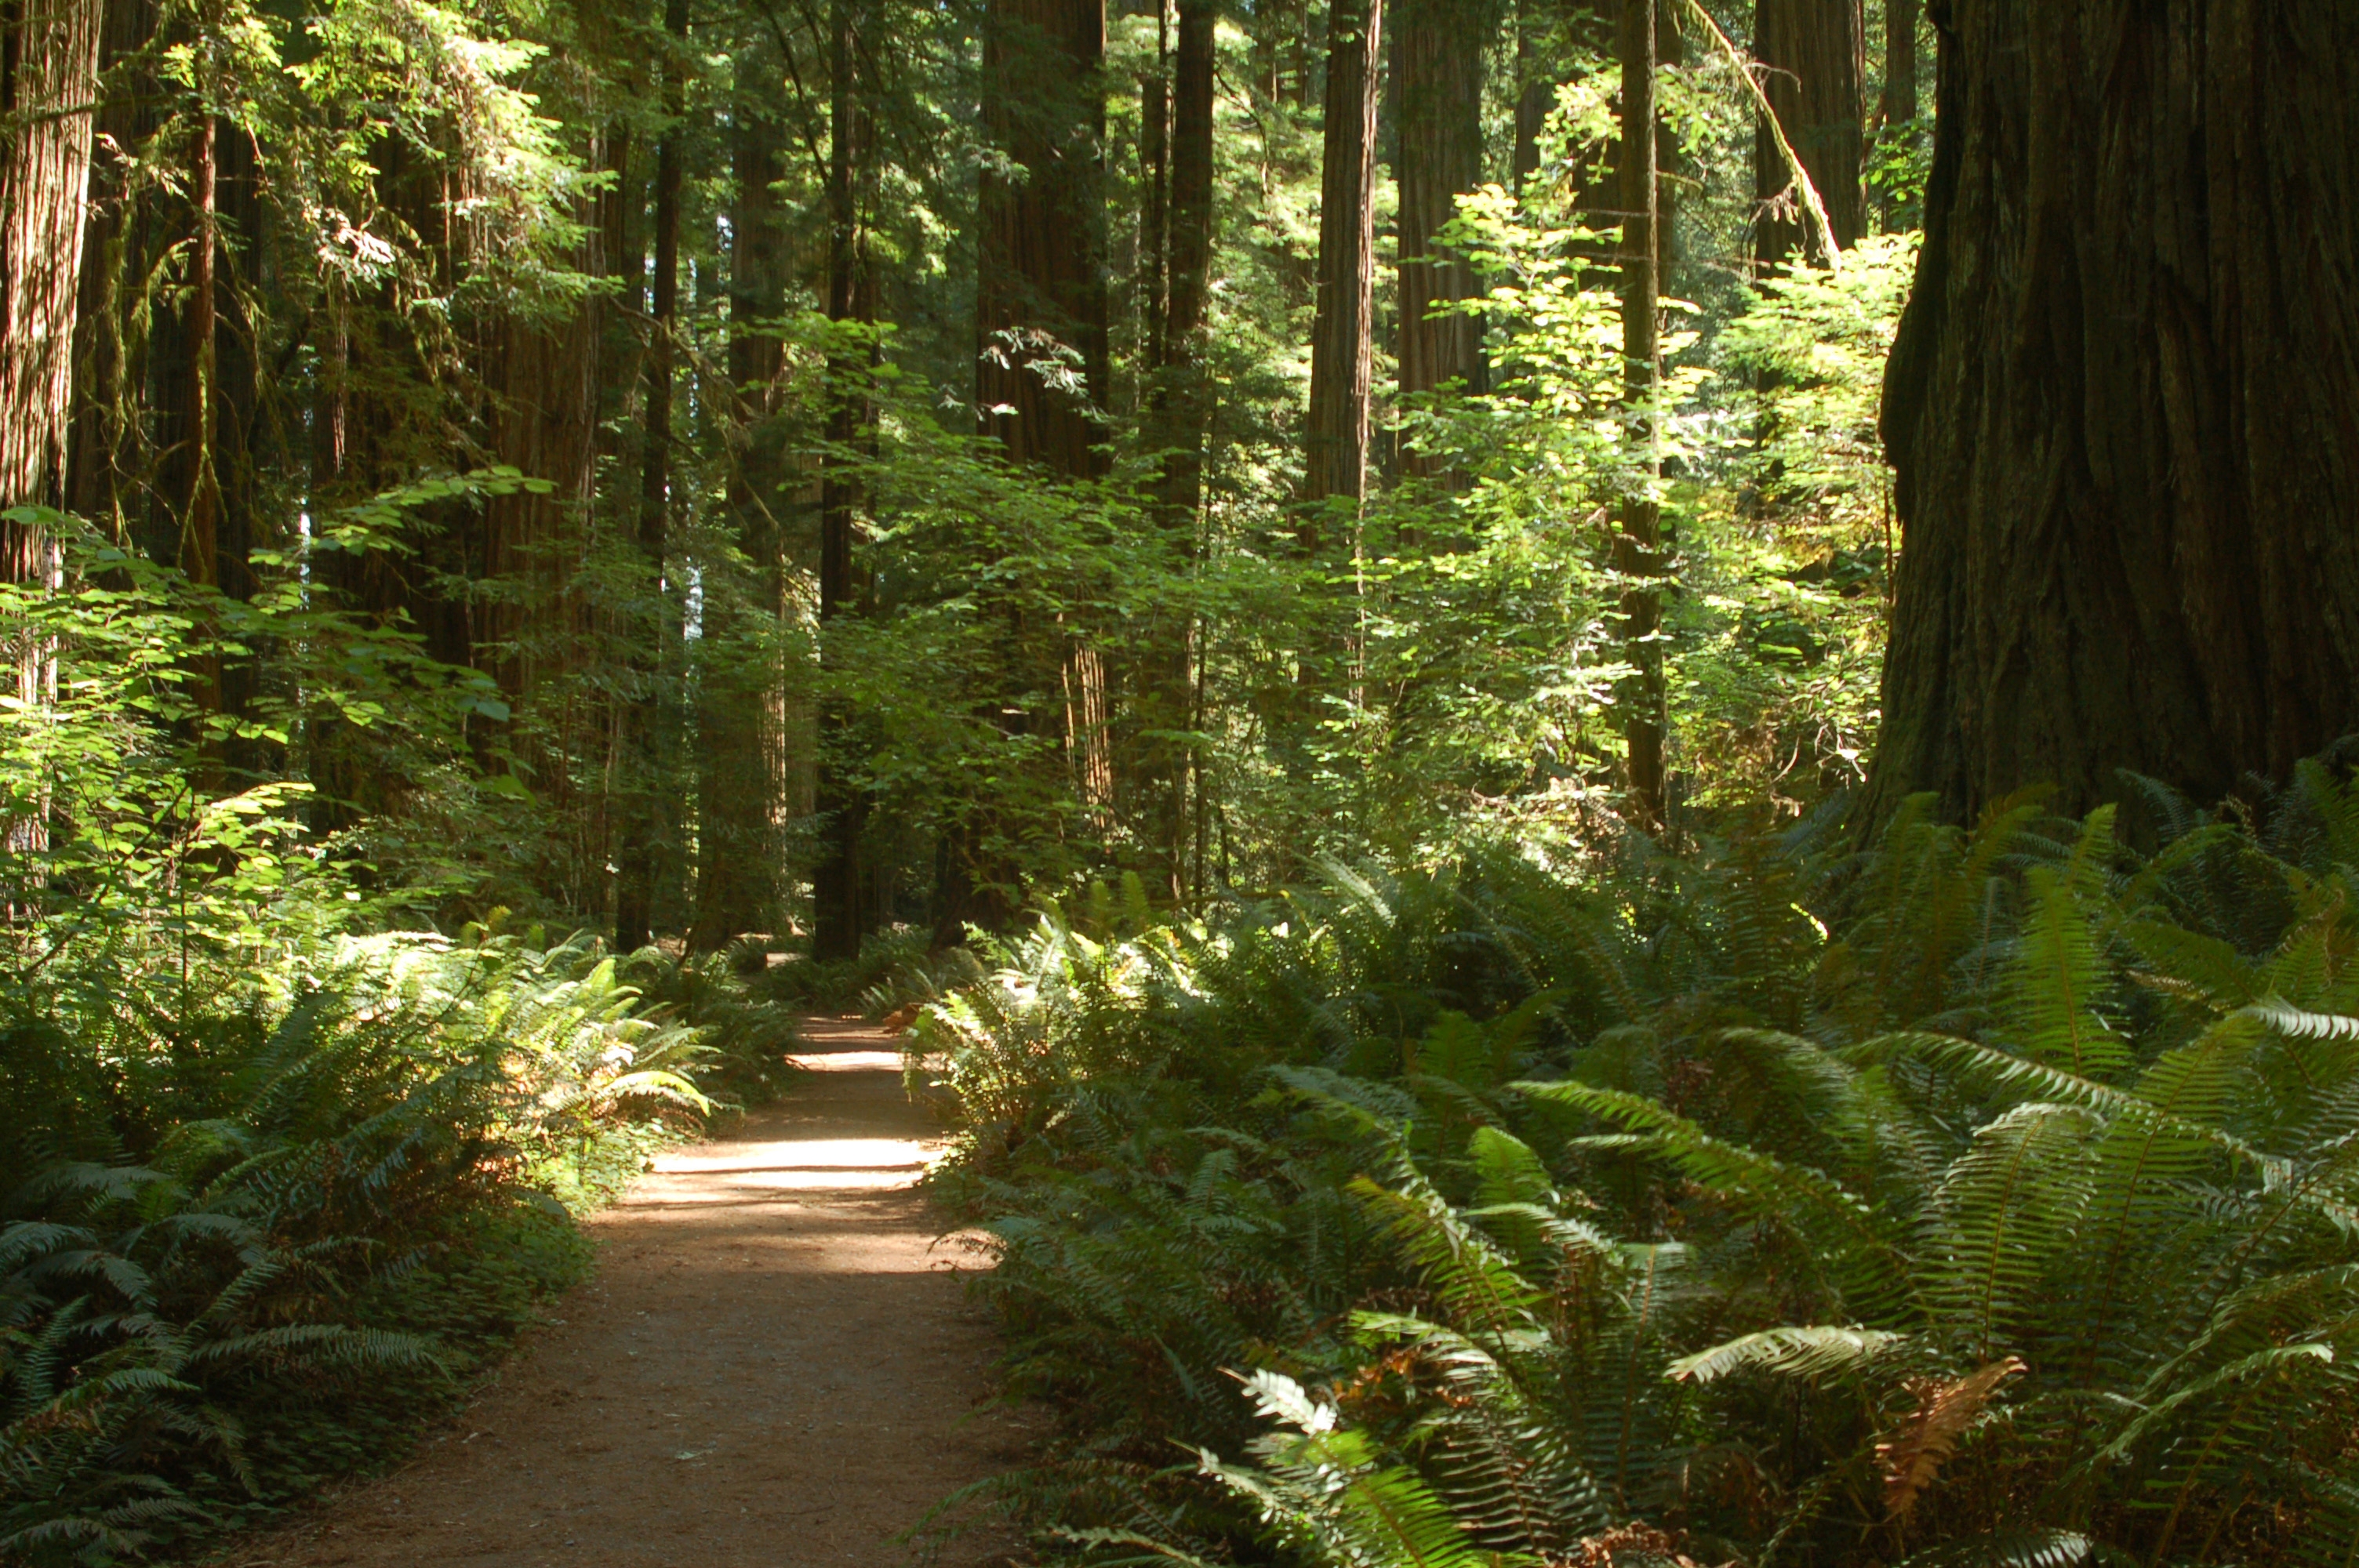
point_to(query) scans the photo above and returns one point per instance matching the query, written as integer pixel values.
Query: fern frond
(1810, 1354)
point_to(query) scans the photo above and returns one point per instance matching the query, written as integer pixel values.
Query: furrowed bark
(49, 77)
(1041, 301)
(1812, 71)
(2123, 404)
(1336, 436)
(1438, 79)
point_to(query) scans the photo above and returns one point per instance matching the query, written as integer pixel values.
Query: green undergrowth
(1963, 1196)
(896, 967)
(268, 1215)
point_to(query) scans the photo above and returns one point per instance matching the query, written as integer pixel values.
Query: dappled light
(1189, 784)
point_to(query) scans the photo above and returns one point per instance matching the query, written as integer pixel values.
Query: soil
(773, 1366)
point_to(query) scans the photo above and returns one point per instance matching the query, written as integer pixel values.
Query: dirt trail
(772, 1368)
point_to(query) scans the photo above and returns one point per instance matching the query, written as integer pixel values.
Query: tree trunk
(645, 855)
(1637, 548)
(1336, 436)
(2124, 402)
(1812, 57)
(1183, 410)
(1041, 306)
(741, 783)
(1154, 188)
(49, 69)
(1438, 76)
(104, 419)
(49, 75)
(840, 912)
(1181, 390)
(1535, 89)
(1899, 105)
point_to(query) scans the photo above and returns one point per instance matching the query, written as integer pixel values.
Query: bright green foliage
(278, 1174)
(259, 1224)
(1983, 1198)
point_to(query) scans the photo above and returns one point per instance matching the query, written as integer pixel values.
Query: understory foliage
(282, 1169)
(1976, 1196)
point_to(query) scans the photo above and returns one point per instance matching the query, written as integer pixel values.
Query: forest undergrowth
(285, 1164)
(1976, 1196)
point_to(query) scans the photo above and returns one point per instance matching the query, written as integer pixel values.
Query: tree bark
(1898, 103)
(1336, 436)
(2123, 404)
(48, 76)
(1813, 56)
(1181, 391)
(99, 486)
(1437, 78)
(645, 851)
(1637, 548)
(840, 912)
(1040, 309)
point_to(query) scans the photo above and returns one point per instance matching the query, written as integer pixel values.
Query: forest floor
(773, 1367)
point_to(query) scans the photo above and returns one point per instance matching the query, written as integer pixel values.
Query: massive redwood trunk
(2124, 406)
(1335, 438)
(1814, 65)
(49, 75)
(1438, 82)
(1040, 309)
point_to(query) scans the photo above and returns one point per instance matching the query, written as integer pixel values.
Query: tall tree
(1638, 545)
(1040, 309)
(741, 776)
(1336, 436)
(1813, 56)
(1155, 190)
(840, 914)
(1897, 105)
(1437, 83)
(1535, 85)
(1183, 410)
(48, 70)
(1181, 387)
(643, 851)
(2123, 401)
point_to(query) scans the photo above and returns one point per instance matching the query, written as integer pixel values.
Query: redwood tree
(840, 915)
(643, 851)
(49, 67)
(2124, 405)
(1813, 68)
(741, 776)
(1041, 309)
(1335, 442)
(1438, 80)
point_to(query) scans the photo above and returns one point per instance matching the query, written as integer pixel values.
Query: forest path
(772, 1368)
